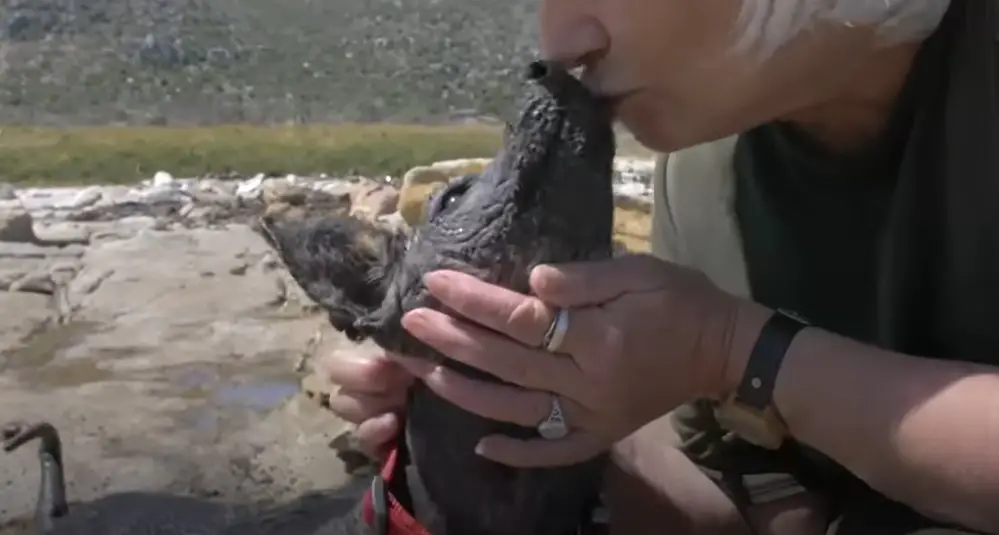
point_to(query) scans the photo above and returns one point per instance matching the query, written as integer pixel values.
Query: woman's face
(675, 68)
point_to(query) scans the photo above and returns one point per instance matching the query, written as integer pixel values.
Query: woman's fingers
(576, 284)
(523, 318)
(494, 401)
(356, 407)
(371, 374)
(376, 433)
(370, 389)
(493, 353)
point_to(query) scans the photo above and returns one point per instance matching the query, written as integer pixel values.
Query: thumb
(592, 283)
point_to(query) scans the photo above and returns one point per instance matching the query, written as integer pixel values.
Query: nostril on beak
(537, 70)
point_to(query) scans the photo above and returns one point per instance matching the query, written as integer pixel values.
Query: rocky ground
(154, 328)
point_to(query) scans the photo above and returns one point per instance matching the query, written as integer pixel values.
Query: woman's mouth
(611, 96)
(615, 100)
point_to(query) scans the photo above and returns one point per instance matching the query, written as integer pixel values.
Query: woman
(831, 158)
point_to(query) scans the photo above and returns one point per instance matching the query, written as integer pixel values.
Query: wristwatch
(749, 411)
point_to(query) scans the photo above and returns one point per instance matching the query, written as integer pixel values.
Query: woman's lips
(614, 96)
(617, 99)
(603, 90)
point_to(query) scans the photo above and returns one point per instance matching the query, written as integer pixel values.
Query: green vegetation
(53, 156)
(126, 154)
(144, 85)
(201, 62)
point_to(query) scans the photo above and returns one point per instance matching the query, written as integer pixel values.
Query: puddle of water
(191, 379)
(215, 413)
(224, 393)
(217, 391)
(265, 395)
(260, 386)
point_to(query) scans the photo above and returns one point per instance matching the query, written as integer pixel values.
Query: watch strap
(758, 381)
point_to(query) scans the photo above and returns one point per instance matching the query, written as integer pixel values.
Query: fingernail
(540, 271)
(541, 279)
(415, 318)
(437, 281)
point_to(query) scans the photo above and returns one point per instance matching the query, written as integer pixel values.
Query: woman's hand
(643, 337)
(371, 393)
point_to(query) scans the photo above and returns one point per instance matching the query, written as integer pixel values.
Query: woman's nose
(568, 35)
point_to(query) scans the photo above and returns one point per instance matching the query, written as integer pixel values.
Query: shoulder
(689, 185)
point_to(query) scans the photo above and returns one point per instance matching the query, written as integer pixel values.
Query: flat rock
(418, 184)
(13, 270)
(172, 374)
(7, 192)
(63, 232)
(462, 166)
(87, 197)
(371, 200)
(15, 222)
(19, 250)
(33, 311)
(632, 223)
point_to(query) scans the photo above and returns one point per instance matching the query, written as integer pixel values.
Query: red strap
(400, 522)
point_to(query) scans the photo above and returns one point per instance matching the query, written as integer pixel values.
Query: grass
(120, 155)
(115, 155)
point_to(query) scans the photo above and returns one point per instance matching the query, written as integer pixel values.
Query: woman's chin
(658, 132)
(648, 133)
(646, 123)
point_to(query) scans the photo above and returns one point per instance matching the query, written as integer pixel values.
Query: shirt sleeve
(747, 473)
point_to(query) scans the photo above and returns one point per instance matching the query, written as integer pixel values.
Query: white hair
(766, 25)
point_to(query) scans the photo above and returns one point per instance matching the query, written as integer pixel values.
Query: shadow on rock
(152, 512)
(135, 512)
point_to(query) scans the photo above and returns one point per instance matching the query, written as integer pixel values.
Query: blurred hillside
(182, 62)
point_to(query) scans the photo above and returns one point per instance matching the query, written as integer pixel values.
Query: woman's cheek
(648, 122)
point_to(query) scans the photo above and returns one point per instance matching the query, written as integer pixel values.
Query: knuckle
(359, 408)
(528, 320)
(613, 341)
(535, 408)
(522, 373)
(646, 266)
(346, 409)
(375, 374)
(373, 434)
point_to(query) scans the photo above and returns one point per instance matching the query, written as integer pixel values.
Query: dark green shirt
(896, 245)
(812, 223)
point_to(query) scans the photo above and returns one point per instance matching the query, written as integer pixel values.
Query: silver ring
(553, 427)
(556, 331)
